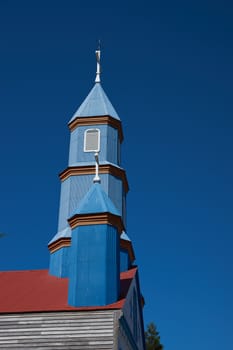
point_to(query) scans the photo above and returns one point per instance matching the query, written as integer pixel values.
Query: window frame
(85, 140)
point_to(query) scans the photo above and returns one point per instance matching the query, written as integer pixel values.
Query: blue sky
(167, 69)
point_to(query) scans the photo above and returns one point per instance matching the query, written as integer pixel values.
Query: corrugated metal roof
(96, 201)
(37, 291)
(95, 104)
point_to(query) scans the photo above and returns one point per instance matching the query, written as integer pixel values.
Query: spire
(95, 104)
(98, 71)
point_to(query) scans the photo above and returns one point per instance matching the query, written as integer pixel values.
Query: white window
(92, 140)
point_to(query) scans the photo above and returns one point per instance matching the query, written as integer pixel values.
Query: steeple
(95, 104)
(90, 297)
(92, 212)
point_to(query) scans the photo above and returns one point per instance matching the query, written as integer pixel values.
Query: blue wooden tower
(91, 247)
(90, 297)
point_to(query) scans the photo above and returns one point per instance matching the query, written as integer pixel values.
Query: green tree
(152, 338)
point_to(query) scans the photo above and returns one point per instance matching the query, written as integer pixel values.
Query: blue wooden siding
(64, 205)
(59, 262)
(94, 272)
(74, 189)
(112, 146)
(115, 192)
(108, 145)
(124, 260)
(133, 313)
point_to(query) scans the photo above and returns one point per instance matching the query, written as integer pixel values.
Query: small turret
(94, 273)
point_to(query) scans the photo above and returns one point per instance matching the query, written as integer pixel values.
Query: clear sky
(168, 70)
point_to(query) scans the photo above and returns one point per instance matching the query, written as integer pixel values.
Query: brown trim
(129, 247)
(101, 119)
(60, 243)
(90, 170)
(96, 219)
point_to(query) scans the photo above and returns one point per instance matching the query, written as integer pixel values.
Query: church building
(89, 297)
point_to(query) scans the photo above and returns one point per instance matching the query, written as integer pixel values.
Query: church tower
(91, 246)
(90, 296)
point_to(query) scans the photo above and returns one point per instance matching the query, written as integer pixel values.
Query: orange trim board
(66, 242)
(87, 220)
(90, 170)
(101, 119)
(60, 243)
(96, 219)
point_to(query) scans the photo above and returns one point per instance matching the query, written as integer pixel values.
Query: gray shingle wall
(58, 330)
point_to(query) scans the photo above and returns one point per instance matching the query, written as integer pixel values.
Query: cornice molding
(102, 119)
(96, 219)
(90, 170)
(60, 243)
(127, 245)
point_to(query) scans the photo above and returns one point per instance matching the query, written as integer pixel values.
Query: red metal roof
(37, 291)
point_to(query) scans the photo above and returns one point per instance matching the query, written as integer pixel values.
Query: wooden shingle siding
(58, 330)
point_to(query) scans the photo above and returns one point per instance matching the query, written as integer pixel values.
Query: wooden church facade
(90, 297)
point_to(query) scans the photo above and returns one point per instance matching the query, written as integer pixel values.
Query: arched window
(92, 140)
